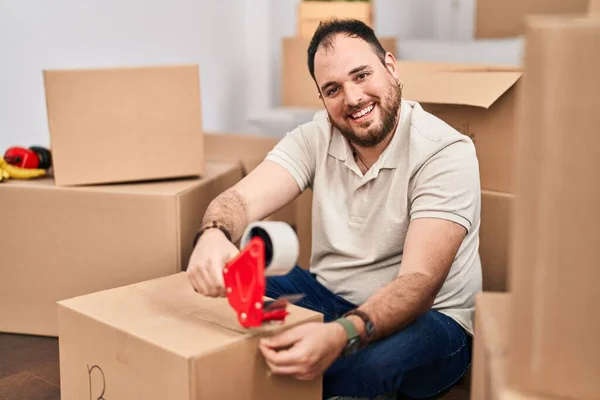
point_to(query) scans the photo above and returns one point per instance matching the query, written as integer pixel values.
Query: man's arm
(263, 191)
(430, 248)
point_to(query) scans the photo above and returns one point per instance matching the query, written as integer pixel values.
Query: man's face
(360, 94)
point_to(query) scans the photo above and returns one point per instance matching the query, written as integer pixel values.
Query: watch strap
(212, 226)
(351, 331)
(369, 326)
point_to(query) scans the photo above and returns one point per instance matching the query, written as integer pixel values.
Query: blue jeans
(422, 360)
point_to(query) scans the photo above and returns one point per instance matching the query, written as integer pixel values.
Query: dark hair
(327, 31)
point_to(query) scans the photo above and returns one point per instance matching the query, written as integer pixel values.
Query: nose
(352, 95)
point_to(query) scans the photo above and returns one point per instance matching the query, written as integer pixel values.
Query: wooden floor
(29, 370)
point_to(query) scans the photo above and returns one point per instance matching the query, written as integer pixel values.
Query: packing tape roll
(281, 245)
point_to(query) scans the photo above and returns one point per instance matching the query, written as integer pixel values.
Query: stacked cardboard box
(311, 13)
(107, 217)
(108, 237)
(506, 18)
(550, 348)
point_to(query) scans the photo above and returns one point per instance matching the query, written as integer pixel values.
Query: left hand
(304, 351)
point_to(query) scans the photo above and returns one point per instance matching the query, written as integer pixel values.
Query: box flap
(167, 312)
(249, 150)
(471, 88)
(213, 170)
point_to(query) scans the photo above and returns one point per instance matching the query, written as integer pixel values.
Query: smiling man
(396, 204)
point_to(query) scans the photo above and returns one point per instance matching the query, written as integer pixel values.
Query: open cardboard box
(160, 340)
(62, 242)
(478, 101)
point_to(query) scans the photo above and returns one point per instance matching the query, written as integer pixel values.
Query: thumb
(282, 340)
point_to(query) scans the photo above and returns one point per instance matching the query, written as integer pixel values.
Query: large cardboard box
(594, 7)
(490, 345)
(506, 18)
(494, 234)
(477, 101)
(555, 247)
(124, 124)
(311, 13)
(64, 242)
(250, 151)
(298, 89)
(161, 340)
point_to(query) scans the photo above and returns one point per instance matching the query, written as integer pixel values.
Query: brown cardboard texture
(496, 215)
(311, 13)
(490, 345)
(479, 104)
(250, 151)
(160, 340)
(506, 18)
(594, 7)
(65, 242)
(124, 124)
(554, 250)
(297, 86)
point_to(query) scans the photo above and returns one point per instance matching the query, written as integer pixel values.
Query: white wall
(40, 34)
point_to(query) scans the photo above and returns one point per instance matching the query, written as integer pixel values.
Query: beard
(389, 116)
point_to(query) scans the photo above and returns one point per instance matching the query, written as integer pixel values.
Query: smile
(365, 111)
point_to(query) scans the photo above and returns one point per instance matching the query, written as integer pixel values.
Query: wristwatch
(369, 325)
(352, 334)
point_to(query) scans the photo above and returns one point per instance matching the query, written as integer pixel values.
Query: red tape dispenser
(269, 248)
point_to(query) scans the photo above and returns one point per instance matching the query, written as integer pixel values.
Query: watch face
(352, 345)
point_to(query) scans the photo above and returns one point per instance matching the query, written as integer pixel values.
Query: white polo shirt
(359, 222)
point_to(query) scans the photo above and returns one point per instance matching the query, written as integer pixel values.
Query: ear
(391, 64)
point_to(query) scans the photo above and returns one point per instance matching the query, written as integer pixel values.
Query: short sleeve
(296, 153)
(447, 186)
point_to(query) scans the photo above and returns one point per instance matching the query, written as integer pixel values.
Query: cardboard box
(161, 340)
(506, 18)
(480, 103)
(496, 216)
(65, 242)
(555, 246)
(297, 86)
(594, 7)
(311, 13)
(250, 151)
(124, 124)
(490, 345)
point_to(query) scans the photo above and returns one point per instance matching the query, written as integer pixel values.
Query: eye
(362, 76)
(332, 91)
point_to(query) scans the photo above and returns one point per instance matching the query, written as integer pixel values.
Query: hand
(304, 351)
(205, 269)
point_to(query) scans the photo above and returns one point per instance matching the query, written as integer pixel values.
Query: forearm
(230, 210)
(398, 303)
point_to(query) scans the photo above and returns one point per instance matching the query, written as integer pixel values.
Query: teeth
(362, 112)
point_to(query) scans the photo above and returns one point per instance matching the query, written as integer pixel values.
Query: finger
(284, 339)
(202, 278)
(286, 370)
(206, 278)
(293, 356)
(197, 284)
(217, 278)
(305, 377)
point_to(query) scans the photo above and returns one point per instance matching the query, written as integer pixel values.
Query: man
(396, 203)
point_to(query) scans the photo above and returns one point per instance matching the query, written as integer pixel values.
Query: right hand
(205, 269)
